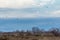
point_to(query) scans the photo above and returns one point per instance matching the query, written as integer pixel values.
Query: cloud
(4, 13)
(15, 14)
(55, 13)
(27, 9)
(15, 3)
(45, 2)
(33, 14)
(23, 3)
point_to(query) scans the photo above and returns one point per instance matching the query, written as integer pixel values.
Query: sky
(29, 8)
(30, 12)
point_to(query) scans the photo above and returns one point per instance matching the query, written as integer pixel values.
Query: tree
(55, 31)
(36, 31)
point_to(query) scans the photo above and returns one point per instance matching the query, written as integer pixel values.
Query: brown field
(35, 34)
(29, 38)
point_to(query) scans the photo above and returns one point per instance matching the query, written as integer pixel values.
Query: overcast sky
(29, 8)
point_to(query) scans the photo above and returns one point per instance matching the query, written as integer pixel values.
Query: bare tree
(55, 31)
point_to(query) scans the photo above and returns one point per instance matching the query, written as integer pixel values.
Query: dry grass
(29, 38)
